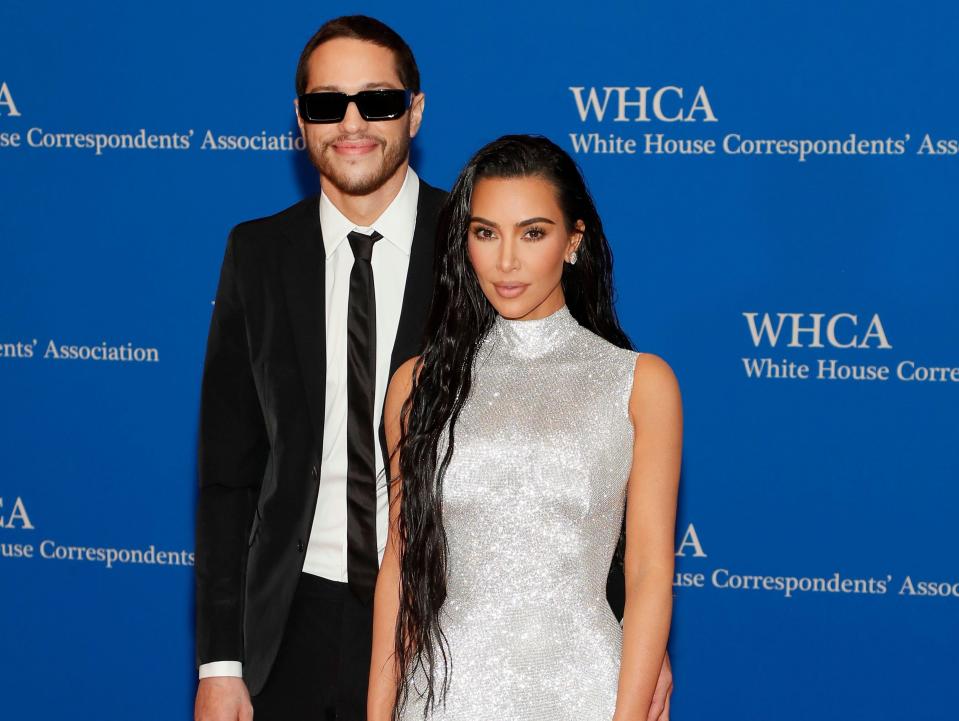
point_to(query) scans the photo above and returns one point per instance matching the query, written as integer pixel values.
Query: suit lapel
(304, 280)
(417, 294)
(418, 289)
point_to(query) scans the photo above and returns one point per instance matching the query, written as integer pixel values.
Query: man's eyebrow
(383, 85)
(387, 85)
(520, 224)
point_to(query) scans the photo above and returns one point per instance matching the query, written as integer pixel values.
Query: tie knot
(362, 245)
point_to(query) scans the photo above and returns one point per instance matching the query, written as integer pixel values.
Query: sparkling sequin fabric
(533, 501)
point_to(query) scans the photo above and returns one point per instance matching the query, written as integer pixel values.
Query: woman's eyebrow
(530, 221)
(520, 224)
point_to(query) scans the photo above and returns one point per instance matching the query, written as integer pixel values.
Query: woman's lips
(510, 290)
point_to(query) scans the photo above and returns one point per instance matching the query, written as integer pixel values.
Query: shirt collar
(395, 224)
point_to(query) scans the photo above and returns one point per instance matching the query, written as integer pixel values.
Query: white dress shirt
(326, 551)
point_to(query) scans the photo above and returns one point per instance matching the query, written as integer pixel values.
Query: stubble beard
(350, 183)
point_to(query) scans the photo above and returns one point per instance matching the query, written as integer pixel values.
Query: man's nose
(352, 120)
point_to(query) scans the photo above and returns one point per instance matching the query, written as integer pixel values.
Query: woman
(522, 431)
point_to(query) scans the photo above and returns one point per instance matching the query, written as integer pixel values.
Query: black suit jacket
(261, 423)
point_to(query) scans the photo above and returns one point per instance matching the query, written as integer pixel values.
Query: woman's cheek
(547, 264)
(475, 259)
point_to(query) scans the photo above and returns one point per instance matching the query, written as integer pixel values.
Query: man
(316, 307)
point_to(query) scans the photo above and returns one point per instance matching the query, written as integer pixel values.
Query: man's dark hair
(361, 27)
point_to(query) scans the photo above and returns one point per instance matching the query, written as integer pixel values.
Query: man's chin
(359, 175)
(356, 184)
(352, 181)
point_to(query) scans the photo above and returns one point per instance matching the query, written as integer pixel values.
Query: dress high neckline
(532, 338)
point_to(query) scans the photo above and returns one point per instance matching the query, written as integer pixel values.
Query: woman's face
(518, 241)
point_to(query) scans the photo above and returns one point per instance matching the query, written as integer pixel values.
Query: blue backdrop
(779, 186)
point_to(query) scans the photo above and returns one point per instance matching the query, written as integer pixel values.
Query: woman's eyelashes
(535, 232)
(482, 232)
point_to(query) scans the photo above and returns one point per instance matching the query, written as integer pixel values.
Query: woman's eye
(535, 233)
(483, 233)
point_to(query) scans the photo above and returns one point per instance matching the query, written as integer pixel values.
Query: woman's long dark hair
(460, 318)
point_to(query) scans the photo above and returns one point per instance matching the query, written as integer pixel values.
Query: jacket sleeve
(232, 452)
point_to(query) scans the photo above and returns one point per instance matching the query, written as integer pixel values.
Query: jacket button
(316, 475)
(299, 545)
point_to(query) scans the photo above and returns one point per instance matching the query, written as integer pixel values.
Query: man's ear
(416, 113)
(299, 120)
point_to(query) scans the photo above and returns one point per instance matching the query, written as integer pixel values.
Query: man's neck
(364, 209)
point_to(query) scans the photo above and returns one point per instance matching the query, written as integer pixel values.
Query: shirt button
(299, 545)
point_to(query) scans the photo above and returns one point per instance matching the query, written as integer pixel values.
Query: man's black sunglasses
(373, 105)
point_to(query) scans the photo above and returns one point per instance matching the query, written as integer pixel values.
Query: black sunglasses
(331, 107)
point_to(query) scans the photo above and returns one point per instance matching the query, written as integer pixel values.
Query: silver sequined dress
(533, 500)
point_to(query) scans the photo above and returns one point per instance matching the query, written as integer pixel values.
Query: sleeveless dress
(533, 500)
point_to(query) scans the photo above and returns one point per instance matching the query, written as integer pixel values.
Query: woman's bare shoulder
(654, 383)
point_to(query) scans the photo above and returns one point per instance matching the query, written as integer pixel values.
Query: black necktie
(361, 555)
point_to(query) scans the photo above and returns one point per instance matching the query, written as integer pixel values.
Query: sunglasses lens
(372, 104)
(381, 104)
(323, 107)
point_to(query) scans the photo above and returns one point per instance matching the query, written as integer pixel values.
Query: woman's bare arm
(386, 599)
(656, 412)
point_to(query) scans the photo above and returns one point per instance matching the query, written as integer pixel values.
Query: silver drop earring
(572, 258)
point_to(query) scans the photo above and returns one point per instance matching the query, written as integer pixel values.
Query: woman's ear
(576, 237)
